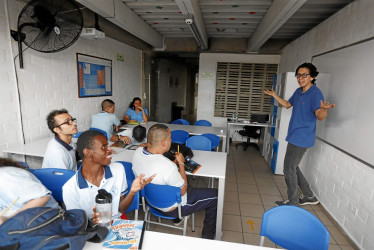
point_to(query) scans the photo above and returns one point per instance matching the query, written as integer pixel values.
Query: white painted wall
(339, 181)
(207, 85)
(168, 91)
(49, 81)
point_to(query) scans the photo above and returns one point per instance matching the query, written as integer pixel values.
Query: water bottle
(233, 116)
(104, 207)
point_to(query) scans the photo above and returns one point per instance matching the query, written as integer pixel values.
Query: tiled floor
(251, 189)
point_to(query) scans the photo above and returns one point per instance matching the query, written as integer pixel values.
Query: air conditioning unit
(92, 33)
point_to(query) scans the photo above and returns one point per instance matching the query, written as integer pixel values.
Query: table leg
(223, 144)
(221, 196)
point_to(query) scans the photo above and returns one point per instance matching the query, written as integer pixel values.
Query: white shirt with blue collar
(60, 155)
(78, 193)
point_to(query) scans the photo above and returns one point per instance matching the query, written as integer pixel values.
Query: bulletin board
(94, 76)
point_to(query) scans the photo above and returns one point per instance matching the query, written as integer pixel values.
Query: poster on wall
(94, 76)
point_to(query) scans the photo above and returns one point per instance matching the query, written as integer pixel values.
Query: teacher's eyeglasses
(302, 75)
(68, 122)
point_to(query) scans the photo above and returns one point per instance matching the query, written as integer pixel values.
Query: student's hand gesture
(125, 139)
(269, 92)
(327, 105)
(140, 182)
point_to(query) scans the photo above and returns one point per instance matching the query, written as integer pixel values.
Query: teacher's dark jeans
(294, 177)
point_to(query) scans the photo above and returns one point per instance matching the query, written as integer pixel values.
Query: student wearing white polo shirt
(97, 172)
(136, 136)
(20, 190)
(60, 151)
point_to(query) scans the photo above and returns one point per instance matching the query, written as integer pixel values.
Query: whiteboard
(346, 79)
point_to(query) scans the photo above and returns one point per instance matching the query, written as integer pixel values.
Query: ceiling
(243, 26)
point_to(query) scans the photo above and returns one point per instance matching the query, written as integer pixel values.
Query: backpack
(48, 228)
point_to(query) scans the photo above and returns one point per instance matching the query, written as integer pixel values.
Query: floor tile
(250, 198)
(232, 223)
(251, 210)
(232, 236)
(251, 224)
(231, 208)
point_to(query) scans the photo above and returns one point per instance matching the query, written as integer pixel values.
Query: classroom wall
(342, 184)
(49, 81)
(207, 80)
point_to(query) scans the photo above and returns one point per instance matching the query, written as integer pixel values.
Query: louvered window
(240, 89)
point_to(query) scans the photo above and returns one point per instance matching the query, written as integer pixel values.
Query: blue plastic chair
(203, 123)
(162, 196)
(294, 228)
(199, 142)
(214, 139)
(178, 122)
(130, 177)
(53, 179)
(179, 136)
(76, 135)
(102, 131)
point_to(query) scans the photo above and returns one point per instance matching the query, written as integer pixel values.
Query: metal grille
(240, 89)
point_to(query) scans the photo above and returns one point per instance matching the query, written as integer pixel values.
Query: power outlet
(352, 208)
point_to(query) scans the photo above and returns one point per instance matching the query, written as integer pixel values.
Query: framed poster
(94, 76)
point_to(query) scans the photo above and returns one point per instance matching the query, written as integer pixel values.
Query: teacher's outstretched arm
(321, 113)
(280, 100)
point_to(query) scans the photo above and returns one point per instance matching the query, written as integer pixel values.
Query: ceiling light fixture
(196, 33)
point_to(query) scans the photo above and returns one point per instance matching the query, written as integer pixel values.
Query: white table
(191, 129)
(241, 124)
(213, 164)
(164, 241)
(36, 148)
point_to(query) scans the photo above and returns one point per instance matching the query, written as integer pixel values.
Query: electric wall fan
(48, 26)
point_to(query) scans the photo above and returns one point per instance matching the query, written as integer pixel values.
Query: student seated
(150, 161)
(60, 151)
(20, 190)
(136, 136)
(136, 113)
(106, 120)
(97, 172)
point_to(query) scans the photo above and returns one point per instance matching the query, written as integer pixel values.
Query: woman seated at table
(20, 190)
(136, 113)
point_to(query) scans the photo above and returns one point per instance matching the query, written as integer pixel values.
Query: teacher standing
(308, 106)
(136, 113)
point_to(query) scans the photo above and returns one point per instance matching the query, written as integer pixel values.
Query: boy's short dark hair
(139, 133)
(312, 70)
(86, 140)
(107, 103)
(51, 118)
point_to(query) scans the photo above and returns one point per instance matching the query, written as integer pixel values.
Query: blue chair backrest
(130, 177)
(293, 227)
(184, 122)
(214, 139)
(179, 122)
(179, 136)
(161, 196)
(102, 131)
(199, 142)
(76, 135)
(53, 179)
(203, 123)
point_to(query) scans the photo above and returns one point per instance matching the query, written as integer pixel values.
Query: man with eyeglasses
(60, 151)
(308, 106)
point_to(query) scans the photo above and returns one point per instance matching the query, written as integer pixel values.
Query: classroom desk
(192, 130)
(213, 165)
(36, 148)
(163, 241)
(241, 124)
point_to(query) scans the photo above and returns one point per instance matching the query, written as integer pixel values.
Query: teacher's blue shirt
(302, 126)
(136, 116)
